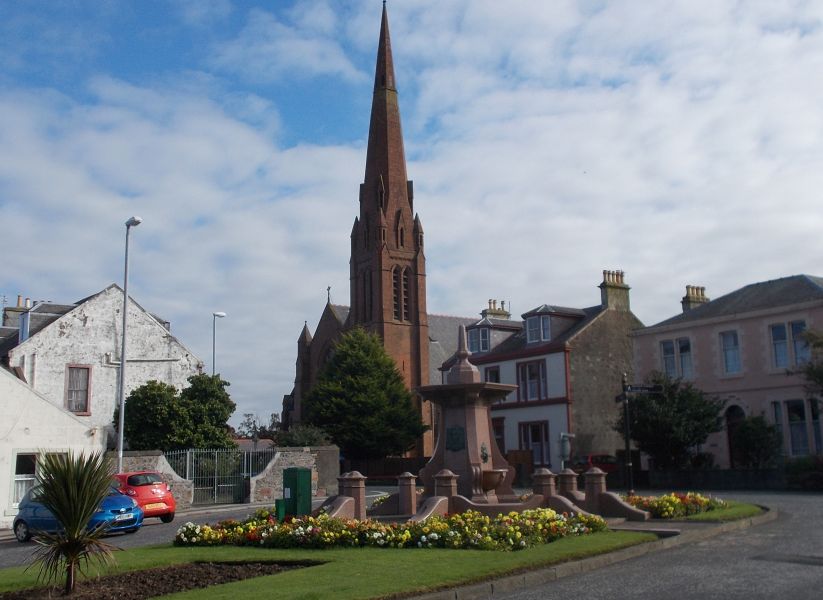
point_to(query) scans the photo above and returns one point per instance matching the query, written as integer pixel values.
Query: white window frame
(794, 350)
(524, 382)
(679, 363)
(538, 329)
(729, 352)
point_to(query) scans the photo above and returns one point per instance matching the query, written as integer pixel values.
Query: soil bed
(150, 583)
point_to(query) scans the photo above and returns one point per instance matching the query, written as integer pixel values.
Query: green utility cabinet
(297, 491)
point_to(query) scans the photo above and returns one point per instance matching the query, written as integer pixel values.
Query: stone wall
(601, 354)
(153, 460)
(322, 460)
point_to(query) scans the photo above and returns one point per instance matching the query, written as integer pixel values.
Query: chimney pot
(19, 301)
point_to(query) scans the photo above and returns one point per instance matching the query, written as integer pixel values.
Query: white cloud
(268, 50)
(681, 143)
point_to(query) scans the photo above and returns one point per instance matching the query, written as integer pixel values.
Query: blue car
(117, 508)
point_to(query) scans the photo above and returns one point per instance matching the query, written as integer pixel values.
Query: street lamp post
(132, 222)
(215, 316)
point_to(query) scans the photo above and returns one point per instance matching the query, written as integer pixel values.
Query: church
(387, 266)
(567, 363)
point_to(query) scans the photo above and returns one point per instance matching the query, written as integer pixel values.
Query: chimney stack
(493, 312)
(695, 296)
(614, 293)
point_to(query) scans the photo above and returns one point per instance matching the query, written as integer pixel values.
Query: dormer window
(479, 339)
(538, 329)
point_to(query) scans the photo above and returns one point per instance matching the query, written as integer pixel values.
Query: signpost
(631, 388)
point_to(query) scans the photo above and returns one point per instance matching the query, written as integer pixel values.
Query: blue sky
(681, 142)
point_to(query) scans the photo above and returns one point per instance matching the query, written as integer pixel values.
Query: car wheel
(167, 518)
(21, 531)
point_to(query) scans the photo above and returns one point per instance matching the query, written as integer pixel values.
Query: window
(24, 475)
(799, 344)
(684, 349)
(676, 358)
(538, 328)
(731, 352)
(77, 389)
(782, 358)
(815, 410)
(531, 381)
(534, 436)
(498, 427)
(780, 349)
(479, 340)
(492, 374)
(777, 412)
(397, 295)
(667, 355)
(798, 437)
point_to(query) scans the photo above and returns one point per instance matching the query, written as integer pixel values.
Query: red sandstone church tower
(387, 265)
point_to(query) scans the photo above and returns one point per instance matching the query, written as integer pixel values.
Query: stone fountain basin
(492, 478)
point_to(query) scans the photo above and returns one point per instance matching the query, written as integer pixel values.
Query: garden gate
(219, 476)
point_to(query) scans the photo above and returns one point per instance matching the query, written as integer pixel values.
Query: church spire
(385, 185)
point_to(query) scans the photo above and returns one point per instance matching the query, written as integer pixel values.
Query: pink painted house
(743, 347)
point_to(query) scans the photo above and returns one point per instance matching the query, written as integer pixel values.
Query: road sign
(643, 389)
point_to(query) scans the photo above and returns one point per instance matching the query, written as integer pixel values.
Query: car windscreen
(144, 479)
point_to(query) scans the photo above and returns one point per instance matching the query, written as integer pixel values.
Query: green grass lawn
(735, 511)
(356, 572)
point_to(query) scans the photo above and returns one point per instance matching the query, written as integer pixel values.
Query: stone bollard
(567, 483)
(407, 493)
(543, 483)
(353, 484)
(343, 485)
(595, 485)
(445, 484)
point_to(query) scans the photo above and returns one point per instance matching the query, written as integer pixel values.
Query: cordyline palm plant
(72, 488)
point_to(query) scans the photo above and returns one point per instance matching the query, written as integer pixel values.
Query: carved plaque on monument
(455, 439)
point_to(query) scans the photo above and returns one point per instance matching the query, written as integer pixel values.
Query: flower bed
(675, 505)
(471, 529)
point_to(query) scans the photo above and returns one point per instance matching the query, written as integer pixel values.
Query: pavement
(670, 534)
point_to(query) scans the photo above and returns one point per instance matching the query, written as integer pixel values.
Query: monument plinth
(465, 440)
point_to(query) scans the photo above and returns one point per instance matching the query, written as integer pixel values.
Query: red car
(605, 462)
(150, 492)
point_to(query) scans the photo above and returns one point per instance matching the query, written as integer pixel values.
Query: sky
(678, 141)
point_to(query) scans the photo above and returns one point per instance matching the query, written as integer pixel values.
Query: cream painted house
(71, 353)
(59, 378)
(743, 347)
(30, 425)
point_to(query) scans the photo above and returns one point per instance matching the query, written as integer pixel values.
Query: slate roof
(517, 343)
(545, 309)
(775, 293)
(340, 311)
(443, 341)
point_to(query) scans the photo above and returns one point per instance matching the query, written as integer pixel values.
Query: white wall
(90, 335)
(31, 424)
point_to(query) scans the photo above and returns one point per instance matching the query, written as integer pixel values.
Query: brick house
(743, 347)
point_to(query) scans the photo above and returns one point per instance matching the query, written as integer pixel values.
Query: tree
(72, 488)
(756, 443)
(300, 436)
(670, 425)
(210, 407)
(158, 417)
(361, 400)
(252, 426)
